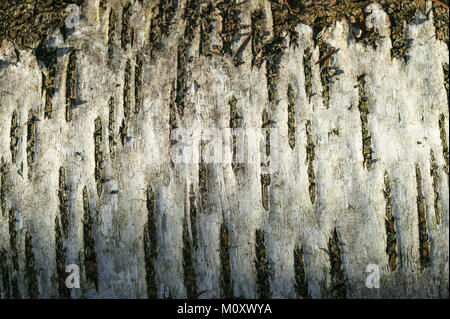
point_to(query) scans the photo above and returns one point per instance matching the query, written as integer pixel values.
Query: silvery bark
(88, 128)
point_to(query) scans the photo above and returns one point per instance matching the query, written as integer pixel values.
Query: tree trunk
(92, 117)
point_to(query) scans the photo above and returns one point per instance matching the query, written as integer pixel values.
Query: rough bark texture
(87, 176)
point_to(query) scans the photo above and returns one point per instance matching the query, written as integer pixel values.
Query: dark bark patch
(424, 241)
(230, 25)
(30, 268)
(63, 201)
(14, 136)
(31, 139)
(363, 107)
(310, 156)
(265, 178)
(5, 274)
(235, 122)
(291, 116)
(162, 18)
(300, 283)
(98, 140)
(390, 224)
(125, 37)
(60, 255)
(71, 83)
(444, 141)
(3, 187)
(263, 272)
(111, 33)
(190, 278)
(435, 177)
(138, 84)
(14, 253)
(151, 245)
(193, 216)
(338, 279)
(307, 69)
(111, 128)
(90, 262)
(226, 282)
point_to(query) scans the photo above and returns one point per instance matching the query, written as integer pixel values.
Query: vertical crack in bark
(138, 84)
(310, 156)
(60, 255)
(325, 70)
(391, 229)
(446, 79)
(14, 135)
(226, 283)
(3, 187)
(190, 279)
(282, 22)
(111, 33)
(202, 179)
(308, 73)
(126, 92)
(262, 267)
(181, 78)
(123, 132)
(31, 139)
(63, 201)
(14, 253)
(258, 34)
(206, 10)
(338, 279)
(71, 81)
(424, 242)
(265, 178)
(151, 245)
(364, 111)
(49, 59)
(111, 128)
(444, 141)
(230, 25)
(5, 274)
(301, 285)
(235, 122)
(126, 103)
(291, 116)
(90, 261)
(193, 216)
(162, 18)
(98, 140)
(30, 268)
(125, 37)
(435, 177)
(102, 6)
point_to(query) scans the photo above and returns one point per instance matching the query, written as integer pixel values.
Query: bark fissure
(30, 267)
(90, 261)
(263, 272)
(339, 281)
(390, 224)
(98, 140)
(300, 283)
(14, 136)
(226, 283)
(363, 107)
(31, 139)
(310, 156)
(424, 241)
(150, 245)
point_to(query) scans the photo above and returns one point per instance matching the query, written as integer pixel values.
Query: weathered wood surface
(87, 177)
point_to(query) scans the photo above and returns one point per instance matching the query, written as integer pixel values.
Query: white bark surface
(406, 101)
